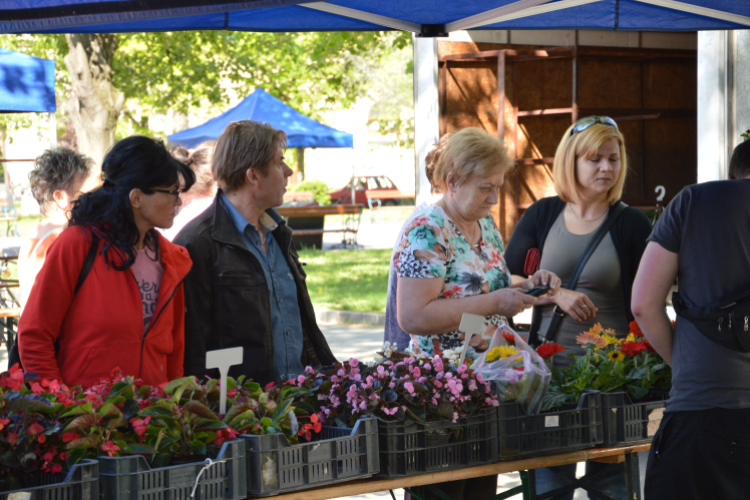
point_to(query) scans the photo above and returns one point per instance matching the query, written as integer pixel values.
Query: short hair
(432, 158)
(470, 152)
(739, 165)
(582, 145)
(55, 170)
(244, 144)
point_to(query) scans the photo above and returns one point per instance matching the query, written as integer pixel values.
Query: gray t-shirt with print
(708, 225)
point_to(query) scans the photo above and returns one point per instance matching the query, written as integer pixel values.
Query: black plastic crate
(334, 455)
(132, 478)
(566, 429)
(626, 422)
(81, 482)
(438, 446)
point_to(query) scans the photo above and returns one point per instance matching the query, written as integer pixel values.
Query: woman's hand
(543, 278)
(511, 301)
(576, 304)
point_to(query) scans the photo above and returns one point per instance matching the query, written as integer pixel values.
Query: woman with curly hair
(127, 309)
(56, 182)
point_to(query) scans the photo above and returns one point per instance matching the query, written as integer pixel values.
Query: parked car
(367, 183)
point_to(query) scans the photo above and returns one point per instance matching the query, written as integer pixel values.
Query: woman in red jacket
(129, 310)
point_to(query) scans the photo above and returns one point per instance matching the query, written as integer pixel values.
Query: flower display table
(621, 454)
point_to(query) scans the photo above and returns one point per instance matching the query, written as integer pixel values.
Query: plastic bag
(523, 377)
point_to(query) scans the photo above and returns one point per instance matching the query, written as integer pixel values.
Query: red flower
(633, 348)
(231, 433)
(224, 434)
(546, 351)
(635, 329)
(70, 436)
(64, 456)
(52, 468)
(3, 423)
(34, 429)
(111, 448)
(268, 386)
(15, 380)
(49, 456)
(509, 338)
(305, 431)
(648, 345)
(12, 436)
(317, 425)
(140, 425)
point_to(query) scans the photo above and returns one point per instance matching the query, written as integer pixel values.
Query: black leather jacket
(227, 301)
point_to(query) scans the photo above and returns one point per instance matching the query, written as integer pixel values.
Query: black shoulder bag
(725, 323)
(557, 313)
(13, 356)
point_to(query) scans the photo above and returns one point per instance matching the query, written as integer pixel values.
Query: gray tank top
(600, 281)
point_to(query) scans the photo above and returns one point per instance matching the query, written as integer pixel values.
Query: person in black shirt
(702, 448)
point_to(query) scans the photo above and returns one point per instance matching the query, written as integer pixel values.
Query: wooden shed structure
(529, 95)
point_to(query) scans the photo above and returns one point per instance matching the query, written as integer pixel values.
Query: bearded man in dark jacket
(247, 287)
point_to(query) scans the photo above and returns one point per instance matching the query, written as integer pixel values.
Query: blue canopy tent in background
(27, 84)
(302, 131)
(429, 18)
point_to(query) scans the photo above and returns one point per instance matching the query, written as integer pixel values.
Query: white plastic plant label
(471, 324)
(552, 421)
(223, 359)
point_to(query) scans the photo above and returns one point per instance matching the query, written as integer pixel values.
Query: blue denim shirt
(286, 322)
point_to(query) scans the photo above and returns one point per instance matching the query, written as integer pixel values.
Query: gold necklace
(587, 220)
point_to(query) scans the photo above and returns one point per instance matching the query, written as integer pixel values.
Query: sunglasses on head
(585, 123)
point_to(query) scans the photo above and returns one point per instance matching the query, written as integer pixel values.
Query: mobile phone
(537, 291)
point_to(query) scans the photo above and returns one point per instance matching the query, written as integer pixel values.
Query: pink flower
(392, 411)
(492, 402)
(417, 373)
(381, 370)
(480, 378)
(301, 379)
(462, 368)
(111, 448)
(35, 429)
(409, 387)
(353, 363)
(427, 366)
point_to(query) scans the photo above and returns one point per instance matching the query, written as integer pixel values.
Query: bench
(298, 196)
(310, 221)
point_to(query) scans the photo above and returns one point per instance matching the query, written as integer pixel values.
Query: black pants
(700, 455)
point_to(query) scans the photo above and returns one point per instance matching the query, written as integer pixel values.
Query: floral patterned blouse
(433, 247)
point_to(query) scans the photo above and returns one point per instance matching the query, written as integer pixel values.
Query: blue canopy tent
(422, 17)
(27, 84)
(302, 131)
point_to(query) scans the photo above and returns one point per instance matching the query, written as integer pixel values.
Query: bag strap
(88, 262)
(557, 313)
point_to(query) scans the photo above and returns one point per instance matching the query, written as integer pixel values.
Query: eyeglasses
(174, 192)
(585, 123)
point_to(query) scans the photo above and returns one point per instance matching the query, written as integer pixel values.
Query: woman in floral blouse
(453, 250)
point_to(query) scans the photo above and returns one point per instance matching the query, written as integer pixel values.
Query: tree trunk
(95, 103)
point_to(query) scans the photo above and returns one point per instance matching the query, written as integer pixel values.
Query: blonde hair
(470, 152)
(583, 145)
(244, 144)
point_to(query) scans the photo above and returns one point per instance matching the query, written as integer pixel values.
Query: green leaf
(282, 409)
(75, 456)
(9, 459)
(84, 442)
(157, 412)
(198, 447)
(161, 459)
(138, 448)
(32, 404)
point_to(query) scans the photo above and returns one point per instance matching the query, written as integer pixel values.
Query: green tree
(145, 74)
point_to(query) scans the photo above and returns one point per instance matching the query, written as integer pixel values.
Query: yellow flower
(616, 356)
(630, 338)
(611, 340)
(501, 352)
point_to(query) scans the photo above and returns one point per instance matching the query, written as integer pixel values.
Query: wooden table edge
(371, 485)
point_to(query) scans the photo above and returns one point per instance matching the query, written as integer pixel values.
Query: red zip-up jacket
(101, 326)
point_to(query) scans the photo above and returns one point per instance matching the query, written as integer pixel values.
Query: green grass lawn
(347, 280)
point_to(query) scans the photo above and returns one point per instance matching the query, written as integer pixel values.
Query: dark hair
(136, 162)
(739, 165)
(56, 170)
